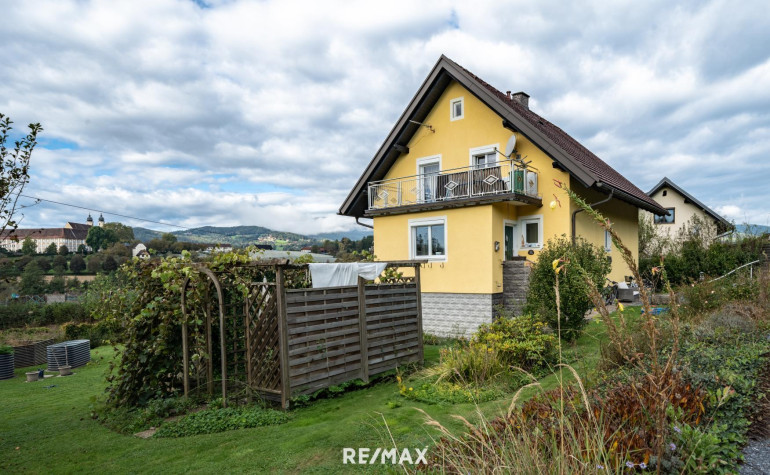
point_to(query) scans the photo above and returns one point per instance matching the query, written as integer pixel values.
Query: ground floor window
(532, 232)
(428, 239)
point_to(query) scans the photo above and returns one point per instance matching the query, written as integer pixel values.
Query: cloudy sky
(265, 113)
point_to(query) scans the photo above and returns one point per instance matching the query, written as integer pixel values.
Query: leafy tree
(122, 232)
(170, 237)
(28, 247)
(63, 250)
(82, 249)
(51, 249)
(579, 260)
(14, 169)
(43, 263)
(57, 285)
(109, 264)
(118, 249)
(100, 238)
(77, 264)
(32, 280)
(21, 263)
(94, 263)
(59, 264)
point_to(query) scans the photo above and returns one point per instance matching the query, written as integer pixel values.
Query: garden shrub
(130, 420)
(6, 350)
(17, 314)
(215, 420)
(575, 301)
(525, 342)
(98, 333)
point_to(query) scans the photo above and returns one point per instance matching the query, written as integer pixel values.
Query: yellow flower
(411, 389)
(555, 264)
(621, 307)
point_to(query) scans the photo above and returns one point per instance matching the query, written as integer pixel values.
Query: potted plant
(6, 362)
(65, 370)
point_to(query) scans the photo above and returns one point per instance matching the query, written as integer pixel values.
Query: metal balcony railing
(497, 178)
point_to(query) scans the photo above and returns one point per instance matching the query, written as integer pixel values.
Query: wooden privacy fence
(282, 342)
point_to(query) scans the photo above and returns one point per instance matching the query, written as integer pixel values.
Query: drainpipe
(364, 224)
(592, 205)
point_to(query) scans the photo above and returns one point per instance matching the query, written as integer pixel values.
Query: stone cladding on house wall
(455, 315)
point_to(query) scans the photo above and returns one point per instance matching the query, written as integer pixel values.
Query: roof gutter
(592, 205)
(363, 224)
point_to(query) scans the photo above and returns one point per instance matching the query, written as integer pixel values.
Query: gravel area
(757, 458)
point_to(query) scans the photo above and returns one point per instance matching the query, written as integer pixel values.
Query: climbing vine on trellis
(147, 308)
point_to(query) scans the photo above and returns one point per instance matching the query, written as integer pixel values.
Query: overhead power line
(103, 211)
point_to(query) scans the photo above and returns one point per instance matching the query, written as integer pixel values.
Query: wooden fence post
(362, 331)
(185, 359)
(418, 288)
(283, 336)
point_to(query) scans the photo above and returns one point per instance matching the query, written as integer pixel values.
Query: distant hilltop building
(71, 235)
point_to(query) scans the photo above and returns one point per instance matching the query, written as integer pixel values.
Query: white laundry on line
(338, 275)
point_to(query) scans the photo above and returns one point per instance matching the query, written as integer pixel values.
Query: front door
(510, 242)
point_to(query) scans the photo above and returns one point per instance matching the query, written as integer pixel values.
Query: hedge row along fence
(282, 342)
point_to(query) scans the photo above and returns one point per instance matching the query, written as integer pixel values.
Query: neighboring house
(685, 214)
(71, 235)
(140, 251)
(437, 189)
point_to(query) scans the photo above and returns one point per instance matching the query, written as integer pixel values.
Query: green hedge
(33, 314)
(99, 333)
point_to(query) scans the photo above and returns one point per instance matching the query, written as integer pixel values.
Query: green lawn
(46, 430)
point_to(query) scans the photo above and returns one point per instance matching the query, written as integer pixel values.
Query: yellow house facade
(461, 182)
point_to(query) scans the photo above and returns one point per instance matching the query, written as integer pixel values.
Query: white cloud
(267, 112)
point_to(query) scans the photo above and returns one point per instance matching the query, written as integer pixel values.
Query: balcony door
(428, 172)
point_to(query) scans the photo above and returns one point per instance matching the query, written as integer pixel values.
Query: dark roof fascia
(667, 182)
(629, 198)
(511, 120)
(498, 106)
(395, 132)
(522, 126)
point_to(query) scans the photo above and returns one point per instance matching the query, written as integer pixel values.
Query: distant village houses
(71, 235)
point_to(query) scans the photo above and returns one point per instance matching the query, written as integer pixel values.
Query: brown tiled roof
(572, 147)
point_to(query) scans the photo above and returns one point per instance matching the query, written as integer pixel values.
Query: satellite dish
(510, 146)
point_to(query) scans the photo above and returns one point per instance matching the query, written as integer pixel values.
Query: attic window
(456, 109)
(665, 192)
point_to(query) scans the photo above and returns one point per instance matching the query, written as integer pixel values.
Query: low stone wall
(456, 315)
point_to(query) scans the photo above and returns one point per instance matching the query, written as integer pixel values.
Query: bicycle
(610, 292)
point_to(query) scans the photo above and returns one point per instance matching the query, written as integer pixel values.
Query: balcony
(498, 181)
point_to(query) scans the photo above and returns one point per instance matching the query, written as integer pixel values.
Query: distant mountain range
(239, 236)
(752, 229)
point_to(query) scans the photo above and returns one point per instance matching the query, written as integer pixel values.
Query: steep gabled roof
(570, 155)
(666, 182)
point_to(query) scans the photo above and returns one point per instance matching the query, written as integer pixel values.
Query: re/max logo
(364, 456)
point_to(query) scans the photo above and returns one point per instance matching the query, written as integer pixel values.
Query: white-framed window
(427, 239)
(607, 241)
(428, 169)
(532, 232)
(484, 157)
(457, 108)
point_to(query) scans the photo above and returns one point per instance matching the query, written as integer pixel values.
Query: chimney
(508, 93)
(522, 98)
